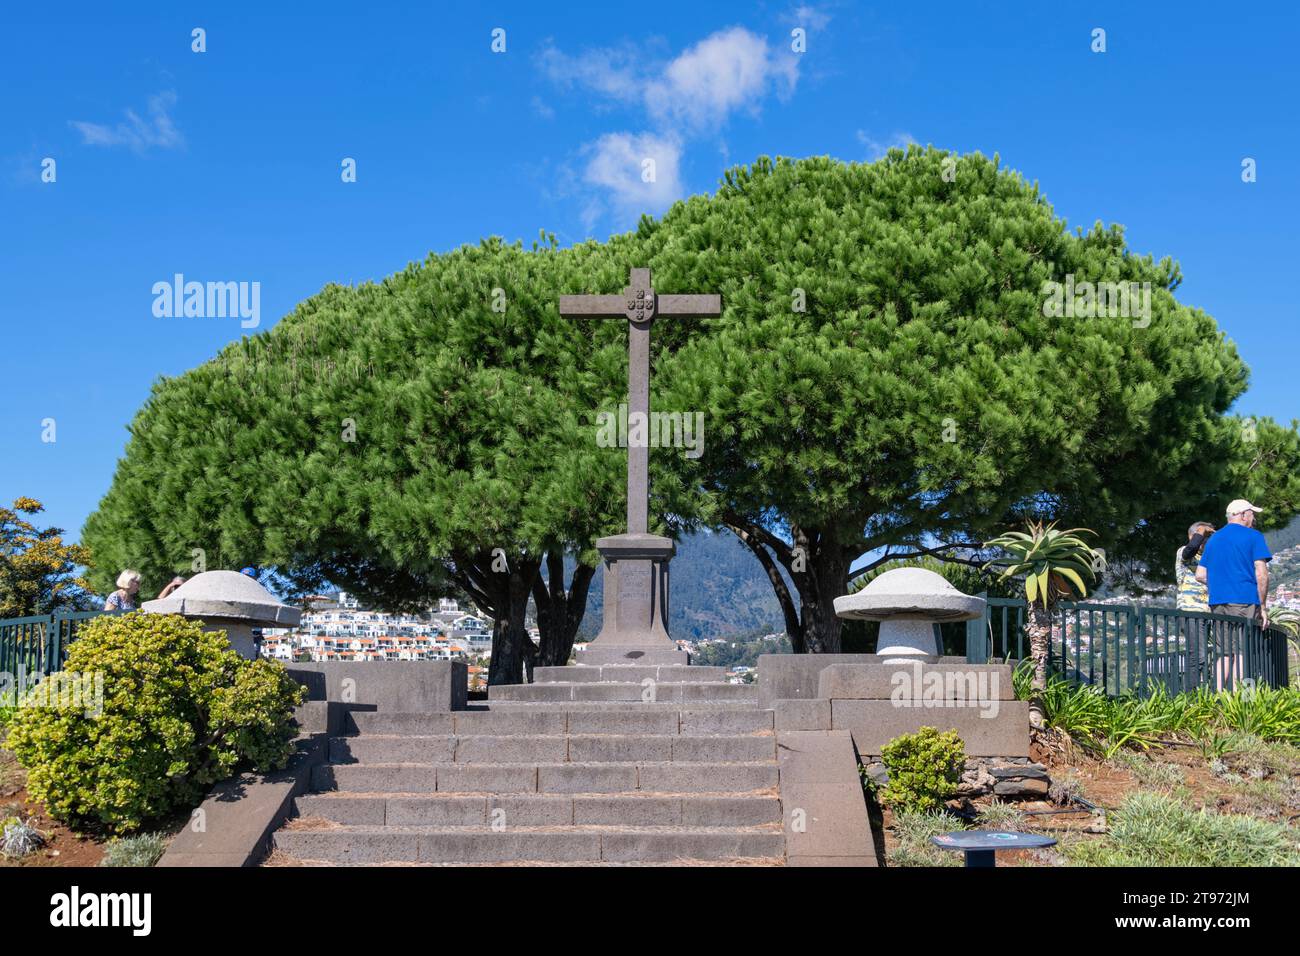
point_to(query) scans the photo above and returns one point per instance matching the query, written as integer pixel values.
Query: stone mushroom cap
(229, 595)
(915, 593)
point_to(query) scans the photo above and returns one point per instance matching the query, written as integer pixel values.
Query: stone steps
(627, 809)
(630, 673)
(361, 845)
(744, 703)
(556, 748)
(583, 777)
(654, 692)
(568, 719)
(577, 768)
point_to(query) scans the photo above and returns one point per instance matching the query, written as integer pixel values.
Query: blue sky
(225, 165)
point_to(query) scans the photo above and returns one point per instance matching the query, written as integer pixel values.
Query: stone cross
(635, 629)
(639, 305)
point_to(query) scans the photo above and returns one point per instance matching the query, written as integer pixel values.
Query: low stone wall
(877, 701)
(824, 809)
(233, 826)
(795, 676)
(406, 687)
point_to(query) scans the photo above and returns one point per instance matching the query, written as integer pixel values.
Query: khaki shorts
(1250, 612)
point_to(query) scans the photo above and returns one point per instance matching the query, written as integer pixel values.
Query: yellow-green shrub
(924, 769)
(180, 711)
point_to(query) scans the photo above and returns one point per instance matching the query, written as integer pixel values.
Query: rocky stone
(1021, 788)
(1035, 771)
(877, 774)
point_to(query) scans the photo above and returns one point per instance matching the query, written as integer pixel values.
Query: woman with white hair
(128, 586)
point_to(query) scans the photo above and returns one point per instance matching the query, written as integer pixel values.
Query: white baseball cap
(1239, 505)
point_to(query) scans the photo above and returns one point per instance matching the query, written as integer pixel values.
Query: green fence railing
(1134, 649)
(34, 647)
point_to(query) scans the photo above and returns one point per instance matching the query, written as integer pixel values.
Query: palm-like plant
(1288, 620)
(1055, 564)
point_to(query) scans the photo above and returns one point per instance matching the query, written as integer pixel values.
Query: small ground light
(980, 845)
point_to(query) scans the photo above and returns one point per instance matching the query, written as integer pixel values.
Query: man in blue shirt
(1235, 566)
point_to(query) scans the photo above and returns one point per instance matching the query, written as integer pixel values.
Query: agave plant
(1287, 620)
(1054, 564)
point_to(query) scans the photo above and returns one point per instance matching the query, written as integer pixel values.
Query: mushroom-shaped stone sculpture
(227, 601)
(908, 602)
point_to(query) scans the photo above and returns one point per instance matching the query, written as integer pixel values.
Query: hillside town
(338, 628)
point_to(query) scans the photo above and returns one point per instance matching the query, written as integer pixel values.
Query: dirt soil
(62, 846)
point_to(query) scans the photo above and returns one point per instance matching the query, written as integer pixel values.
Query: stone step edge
(567, 735)
(341, 795)
(704, 705)
(357, 829)
(569, 763)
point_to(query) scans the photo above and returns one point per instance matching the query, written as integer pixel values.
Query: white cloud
(639, 172)
(730, 70)
(137, 133)
(683, 97)
(611, 71)
(542, 108)
(878, 148)
(808, 17)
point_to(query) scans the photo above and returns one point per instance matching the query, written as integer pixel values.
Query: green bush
(924, 770)
(180, 711)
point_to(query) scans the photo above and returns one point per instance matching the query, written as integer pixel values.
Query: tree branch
(936, 552)
(792, 624)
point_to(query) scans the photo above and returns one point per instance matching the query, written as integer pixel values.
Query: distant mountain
(718, 589)
(1284, 538)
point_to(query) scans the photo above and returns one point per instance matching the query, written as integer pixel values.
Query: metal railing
(34, 647)
(1125, 649)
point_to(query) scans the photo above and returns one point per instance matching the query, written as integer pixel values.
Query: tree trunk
(1039, 627)
(503, 594)
(560, 612)
(818, 567)
(824, 578)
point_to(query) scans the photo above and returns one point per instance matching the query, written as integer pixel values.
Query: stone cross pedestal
(908, 603)
(635, 629)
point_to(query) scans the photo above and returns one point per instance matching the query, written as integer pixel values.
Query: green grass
(1151, 829)
(913, 832)
(142, 850)
(1150, 773)
(1001, 815)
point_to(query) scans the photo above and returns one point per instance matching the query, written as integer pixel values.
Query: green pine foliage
(883, 374)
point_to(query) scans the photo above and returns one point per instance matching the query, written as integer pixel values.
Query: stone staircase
(591, 765)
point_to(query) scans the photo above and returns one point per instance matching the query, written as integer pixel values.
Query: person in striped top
(1192, 594)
